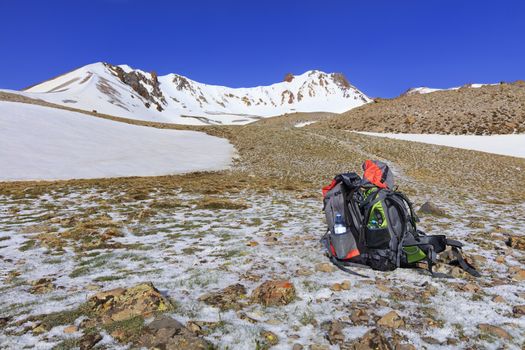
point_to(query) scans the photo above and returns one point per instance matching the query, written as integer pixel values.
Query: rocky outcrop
(288, 77)
(137, 82)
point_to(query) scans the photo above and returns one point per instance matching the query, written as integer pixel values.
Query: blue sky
(383, 47)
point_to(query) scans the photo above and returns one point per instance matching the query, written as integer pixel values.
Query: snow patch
(508, 145)
(43, 143)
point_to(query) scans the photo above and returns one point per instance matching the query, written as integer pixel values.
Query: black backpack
(380, 228)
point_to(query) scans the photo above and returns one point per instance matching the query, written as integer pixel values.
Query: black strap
(463, 264)
(384, 175)
(343, 268)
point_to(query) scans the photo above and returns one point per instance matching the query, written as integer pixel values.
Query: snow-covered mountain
(123, 91)
(427, 90)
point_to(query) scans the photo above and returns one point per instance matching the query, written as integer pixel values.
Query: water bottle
(342, 240)
(339, 226)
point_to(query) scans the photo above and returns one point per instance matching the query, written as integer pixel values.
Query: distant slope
(123, 91)
(43, 143)
(427, 90)
(489, 109)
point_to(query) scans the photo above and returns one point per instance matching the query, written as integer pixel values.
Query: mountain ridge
(124, 91)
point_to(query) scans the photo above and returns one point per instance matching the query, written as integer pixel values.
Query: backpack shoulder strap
(456, 250)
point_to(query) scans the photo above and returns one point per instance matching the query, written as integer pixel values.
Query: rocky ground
(232, 260)
(490, 109)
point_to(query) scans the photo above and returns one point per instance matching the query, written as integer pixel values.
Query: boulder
(430, 208)
(124, 303)
(273, 293)
(227, 298)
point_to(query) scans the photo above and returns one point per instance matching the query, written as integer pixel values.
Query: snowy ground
(187, 251)
(508, 145)
(41, 143)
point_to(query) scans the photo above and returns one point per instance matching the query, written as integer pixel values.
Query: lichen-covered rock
(272, 293)
(124, 303)
(227, 298)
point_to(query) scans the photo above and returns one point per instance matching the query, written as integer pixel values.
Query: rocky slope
(488, 109)
(132, 93)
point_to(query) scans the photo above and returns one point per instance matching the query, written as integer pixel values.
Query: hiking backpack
(372, 224)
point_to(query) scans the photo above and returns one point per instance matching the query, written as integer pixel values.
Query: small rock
(516, 242)
(336, 287)
(119, 334)
(194, 327)
(373, 339)
(70, 329)
(391, 320)
(431, 209)
(405, 347)
(227, 298)
(494, 330)
(167, 333)
(39, 329)
(345, 285)
(4, 321)
(324, 267)
(359, 316)
(335, 333)
(252, 244)
(500, 259)
(498, 299)
(519, 276)
(304, 272)
(43, 285)
(470, 287)
(518, 310)
(431, 340)
(297, 346)
(272, 293)
(89, 340)
(270, 338)
(93, 286)
(318, 347)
